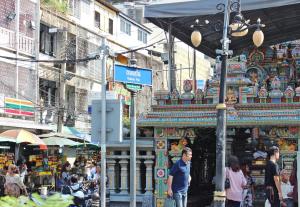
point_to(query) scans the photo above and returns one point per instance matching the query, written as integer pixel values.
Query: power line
(52, 61)
(140, 48)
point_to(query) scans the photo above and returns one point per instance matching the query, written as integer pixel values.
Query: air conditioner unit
(48, 116)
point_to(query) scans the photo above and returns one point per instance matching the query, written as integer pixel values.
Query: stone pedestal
(138, 177)
(111, 175)
(149, 171)
(124, 176)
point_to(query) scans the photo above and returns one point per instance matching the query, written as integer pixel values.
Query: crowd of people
(81, 179)
(86, 170)
(280, 186)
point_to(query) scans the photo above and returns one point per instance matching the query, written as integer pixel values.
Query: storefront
(263, 101)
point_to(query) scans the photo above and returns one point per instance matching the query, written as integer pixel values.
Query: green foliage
(59, 5)
(55, 200)
(126, 122)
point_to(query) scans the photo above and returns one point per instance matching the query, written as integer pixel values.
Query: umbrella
(20, 136)
(61, 135)
(50, 141)
(87, 145)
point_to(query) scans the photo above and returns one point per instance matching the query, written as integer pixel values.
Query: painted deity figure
(231, 97)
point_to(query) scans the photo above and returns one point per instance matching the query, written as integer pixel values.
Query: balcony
(7, 41)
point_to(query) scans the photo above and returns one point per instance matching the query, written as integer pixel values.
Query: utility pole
(37, 53)
(17, 34)
(62, 84)
(172, 73)
(133, 141)
(219, 194)
(195, 71)
(103, 55)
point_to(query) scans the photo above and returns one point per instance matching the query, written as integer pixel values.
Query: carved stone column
(111, 175)
(124, 174)
(149, 172)
(229, 141)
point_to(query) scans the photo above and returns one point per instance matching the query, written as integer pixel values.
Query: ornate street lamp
(239, 27)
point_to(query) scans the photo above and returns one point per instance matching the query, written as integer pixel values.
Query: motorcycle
(80, 194)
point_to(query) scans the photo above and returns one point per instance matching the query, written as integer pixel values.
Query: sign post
(133, 78)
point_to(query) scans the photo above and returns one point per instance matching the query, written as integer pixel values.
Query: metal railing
(8, 40)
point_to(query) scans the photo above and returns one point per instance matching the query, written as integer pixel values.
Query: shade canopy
(58, 141)
(87, 145)
(279, 16)
(62, 135)
(21, 136)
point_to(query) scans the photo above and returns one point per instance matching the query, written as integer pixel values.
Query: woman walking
(237, 181)
(248, 193)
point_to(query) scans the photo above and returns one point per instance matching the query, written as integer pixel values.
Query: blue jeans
(180, 199)
(231, 203)
(289, 202)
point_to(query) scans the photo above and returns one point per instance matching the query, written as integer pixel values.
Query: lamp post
(238, 27)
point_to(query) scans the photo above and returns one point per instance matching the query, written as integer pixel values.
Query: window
(145, 38)
(97, 19)
(74, 8)
(85, 7)
(125, 27)
(142, 36)
(111, 26)
(47, 41)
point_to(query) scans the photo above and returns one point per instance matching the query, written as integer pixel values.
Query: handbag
(169, 202)
(227, 181)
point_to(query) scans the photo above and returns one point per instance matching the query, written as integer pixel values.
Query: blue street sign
(139, 76)
(200, 84)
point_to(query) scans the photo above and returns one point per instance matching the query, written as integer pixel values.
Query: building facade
(84, 36)
(263, 97)
(19, 79)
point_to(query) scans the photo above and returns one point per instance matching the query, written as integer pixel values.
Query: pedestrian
(287, 189)
(65, 173)
(22, 168)
(179, 178)
(237, 180)
(294, 182)
(248, 192)
(272, 178)
(13, 183)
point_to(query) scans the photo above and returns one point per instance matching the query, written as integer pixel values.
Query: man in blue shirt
(179, 178)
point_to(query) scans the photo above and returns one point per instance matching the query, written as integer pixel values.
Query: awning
(279, 16)
(23, 124)
(69, 131)
(59, 141)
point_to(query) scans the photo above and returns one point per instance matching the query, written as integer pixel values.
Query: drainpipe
(17, 31)
(37, 52)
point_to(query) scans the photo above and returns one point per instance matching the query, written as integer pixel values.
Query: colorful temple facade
(263, 109)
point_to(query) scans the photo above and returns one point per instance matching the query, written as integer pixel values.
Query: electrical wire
(140, 48)
(52, 61)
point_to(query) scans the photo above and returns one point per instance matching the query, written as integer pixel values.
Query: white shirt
(286, 188)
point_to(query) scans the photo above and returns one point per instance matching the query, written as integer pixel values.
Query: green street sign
(134, 87)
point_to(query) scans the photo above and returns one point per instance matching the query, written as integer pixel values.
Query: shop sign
(175, 132)
(133, 75)
(18, 107)
(134, 87)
